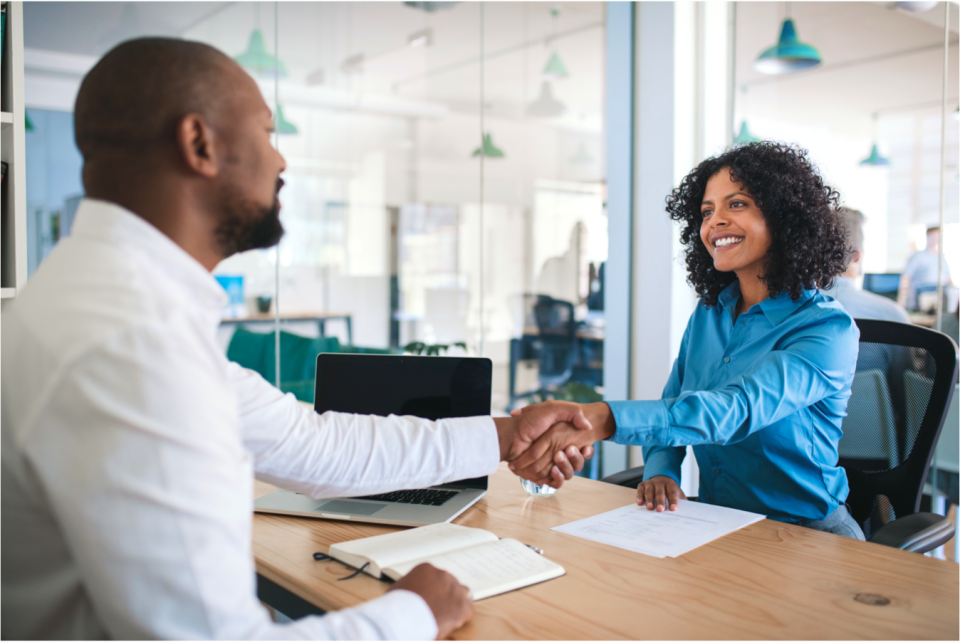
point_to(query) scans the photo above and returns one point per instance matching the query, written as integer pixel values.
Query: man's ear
(195, 144)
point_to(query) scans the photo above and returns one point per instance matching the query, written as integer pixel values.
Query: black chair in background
(901, 392)
(554, 346)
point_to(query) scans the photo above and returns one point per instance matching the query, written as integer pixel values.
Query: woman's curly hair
(808, 239)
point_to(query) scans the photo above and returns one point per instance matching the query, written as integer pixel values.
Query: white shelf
(13, 222)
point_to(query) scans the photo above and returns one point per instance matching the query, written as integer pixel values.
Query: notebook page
(488, 569)
(393, 548)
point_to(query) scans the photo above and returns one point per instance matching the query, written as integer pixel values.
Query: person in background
(129, 442)
(858, 302)
(921, 271)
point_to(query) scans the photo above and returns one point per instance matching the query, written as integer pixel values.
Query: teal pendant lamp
(257, 60)
(555, 69)
(745, 137)
(875, 159)
(27, 123)
(488, 149)
(284, 126)
(789, 55)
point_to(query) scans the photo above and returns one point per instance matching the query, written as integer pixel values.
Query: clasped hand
(552, 440)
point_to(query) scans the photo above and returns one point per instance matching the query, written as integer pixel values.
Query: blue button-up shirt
(761, 399)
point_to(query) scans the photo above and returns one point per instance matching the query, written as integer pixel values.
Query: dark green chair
(298, 357)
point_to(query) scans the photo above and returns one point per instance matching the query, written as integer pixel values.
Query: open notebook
(479, 560)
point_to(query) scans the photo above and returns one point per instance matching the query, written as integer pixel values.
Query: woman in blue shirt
(762, 380)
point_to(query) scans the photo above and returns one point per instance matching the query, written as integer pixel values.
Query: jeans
(839, 522)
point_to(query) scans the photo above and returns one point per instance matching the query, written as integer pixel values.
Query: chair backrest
(554, 317)
(903, 386)
(556, 341)
(298, 355)
(948, 448)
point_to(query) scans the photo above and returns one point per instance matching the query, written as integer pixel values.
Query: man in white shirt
(129, 442)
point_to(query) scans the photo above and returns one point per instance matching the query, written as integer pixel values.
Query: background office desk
(768, 580)
(321, 319)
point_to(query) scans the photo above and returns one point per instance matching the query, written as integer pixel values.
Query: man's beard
(245, 225)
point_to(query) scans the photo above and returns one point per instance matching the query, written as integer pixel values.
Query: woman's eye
(706, 213)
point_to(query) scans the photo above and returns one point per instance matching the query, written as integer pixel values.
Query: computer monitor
(886, 285)
(429, 387)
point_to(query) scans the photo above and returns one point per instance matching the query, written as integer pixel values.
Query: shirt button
(716, 473)
(649, 437)
(726, 359)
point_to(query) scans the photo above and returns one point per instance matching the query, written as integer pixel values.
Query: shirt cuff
(639, 423)
(401, 615)
(476, 446)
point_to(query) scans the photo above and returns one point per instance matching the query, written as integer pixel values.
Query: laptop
(428, 387)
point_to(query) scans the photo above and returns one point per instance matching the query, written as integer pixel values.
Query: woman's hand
(658, 491)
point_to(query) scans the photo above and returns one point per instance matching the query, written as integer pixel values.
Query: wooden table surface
(768, 580)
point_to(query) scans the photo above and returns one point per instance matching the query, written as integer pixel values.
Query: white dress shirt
(129, 445)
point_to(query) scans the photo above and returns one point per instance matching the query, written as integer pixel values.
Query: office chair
(555, 345)
(887, 473)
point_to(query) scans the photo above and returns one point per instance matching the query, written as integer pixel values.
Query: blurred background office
(489, 178)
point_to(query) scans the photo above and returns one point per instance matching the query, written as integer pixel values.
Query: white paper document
(666, 534)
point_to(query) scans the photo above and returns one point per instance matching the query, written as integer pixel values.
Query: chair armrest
(630, 478)
(918, 533)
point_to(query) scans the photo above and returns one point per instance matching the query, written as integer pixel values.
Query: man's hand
(519, 431)
(446, 597)
(658, 491)
(537, 461)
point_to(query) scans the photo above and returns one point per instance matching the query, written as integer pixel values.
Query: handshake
(548, 442)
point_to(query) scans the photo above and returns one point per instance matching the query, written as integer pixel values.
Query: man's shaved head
(134, 96)
(178, 133)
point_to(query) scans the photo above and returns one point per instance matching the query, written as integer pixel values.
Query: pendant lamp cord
(482, 167)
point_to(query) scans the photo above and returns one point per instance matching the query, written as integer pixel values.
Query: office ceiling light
(745, 137)
(555, 69)
(915, 7)
(875, 159)
(487, 149)
(353, 64)
(789, 55)
(257, 60)
(284, 126)
(316, 77)
(546, 106)
(582, 157)
(422, 38)
(430, 7)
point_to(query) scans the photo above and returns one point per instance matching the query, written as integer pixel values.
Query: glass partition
(445, 182)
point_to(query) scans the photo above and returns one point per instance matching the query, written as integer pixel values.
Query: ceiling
(317, 38)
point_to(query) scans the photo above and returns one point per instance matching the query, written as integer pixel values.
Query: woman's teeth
(729, 240)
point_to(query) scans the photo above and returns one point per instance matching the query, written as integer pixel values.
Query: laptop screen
(428, 387)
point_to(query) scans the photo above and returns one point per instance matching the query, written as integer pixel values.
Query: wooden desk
(923, 319)
(321, 319)
(769, 580)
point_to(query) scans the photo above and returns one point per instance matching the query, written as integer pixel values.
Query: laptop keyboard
(424, 496)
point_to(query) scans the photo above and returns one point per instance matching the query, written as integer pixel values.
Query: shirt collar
(775, 308)
(110, 223)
